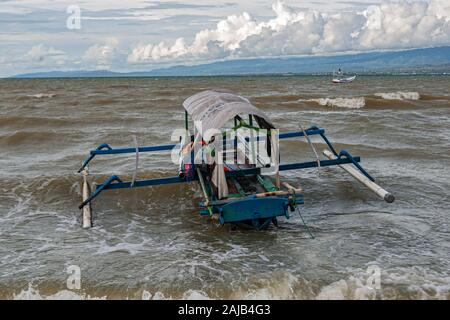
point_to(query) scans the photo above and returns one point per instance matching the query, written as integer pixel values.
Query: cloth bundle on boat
(219, 179)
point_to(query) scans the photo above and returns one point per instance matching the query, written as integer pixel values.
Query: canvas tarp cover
(211, 110)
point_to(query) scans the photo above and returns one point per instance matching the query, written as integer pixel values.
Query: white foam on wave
(349, 103)
(352, 288)
(195, 295)
(130, 248)
(33, 294)
(399, 95)
(397, 283)
(272, 286)
(188, 295)
(41, 95)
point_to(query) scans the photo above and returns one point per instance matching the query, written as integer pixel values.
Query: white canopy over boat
(212, 109)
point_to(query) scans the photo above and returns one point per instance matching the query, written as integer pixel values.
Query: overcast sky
(42, 35)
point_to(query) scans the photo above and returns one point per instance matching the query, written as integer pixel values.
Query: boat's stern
(258, 212)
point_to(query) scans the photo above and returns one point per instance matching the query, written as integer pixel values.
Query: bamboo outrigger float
(238, 169)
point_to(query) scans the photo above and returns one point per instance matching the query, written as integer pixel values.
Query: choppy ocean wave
(399, 95)
(377, 100)
(32, 293)
(400, 283)
(360, 102)
(151, 243)
(349, 103)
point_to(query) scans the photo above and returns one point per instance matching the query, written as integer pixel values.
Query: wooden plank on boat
(238, 186)
(266, 184)
(205, 193)
(291, 188)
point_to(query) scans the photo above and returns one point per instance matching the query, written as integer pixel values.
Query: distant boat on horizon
(340, 78)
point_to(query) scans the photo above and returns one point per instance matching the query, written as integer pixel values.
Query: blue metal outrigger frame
(114, 182)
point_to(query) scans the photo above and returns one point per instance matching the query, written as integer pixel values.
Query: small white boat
(344, 80)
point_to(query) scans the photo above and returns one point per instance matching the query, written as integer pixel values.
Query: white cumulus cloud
(102, 55)
(45, 55)
(391, 25)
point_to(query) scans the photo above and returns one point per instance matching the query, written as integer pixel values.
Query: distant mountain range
(407, 61)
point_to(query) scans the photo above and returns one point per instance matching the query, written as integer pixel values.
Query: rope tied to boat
(293, 191)
(304, 223)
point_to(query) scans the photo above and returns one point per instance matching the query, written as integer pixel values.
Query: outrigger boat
(232, 152)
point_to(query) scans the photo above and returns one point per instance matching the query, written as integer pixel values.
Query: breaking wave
(398, 283)
(381, 99)
(349, 103)
(33, 294)
(399, 95)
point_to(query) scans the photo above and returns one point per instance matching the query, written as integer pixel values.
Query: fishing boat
(344, 80)
(339, 77)
(230, 149)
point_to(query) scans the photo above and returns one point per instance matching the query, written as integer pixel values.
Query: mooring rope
(304, 223)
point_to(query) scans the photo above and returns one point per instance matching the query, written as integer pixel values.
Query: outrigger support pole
(92, 155)
(345, 153)
(114, 182)
(105, 149)
(364, 179)
(205, 194)
(343, 159)
(99, 189)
